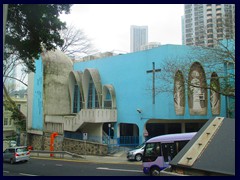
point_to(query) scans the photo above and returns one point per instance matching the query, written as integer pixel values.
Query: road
(51, 167)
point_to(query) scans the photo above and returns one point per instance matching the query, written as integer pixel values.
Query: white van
(137, 153)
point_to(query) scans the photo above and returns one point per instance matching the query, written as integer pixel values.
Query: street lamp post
(109, 133)
(109, 128)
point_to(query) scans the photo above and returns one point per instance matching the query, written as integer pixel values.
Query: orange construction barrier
(53, 135)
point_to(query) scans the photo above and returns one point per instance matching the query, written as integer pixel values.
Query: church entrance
(129, 134)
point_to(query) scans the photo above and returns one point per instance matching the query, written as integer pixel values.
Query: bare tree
(76, 43)
(219, 60)
(11, 61)
(212, 59)
(219, 56)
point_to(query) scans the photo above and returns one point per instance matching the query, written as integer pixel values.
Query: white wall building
(150, 45)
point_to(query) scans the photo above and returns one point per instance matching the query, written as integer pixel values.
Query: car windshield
(140, 146)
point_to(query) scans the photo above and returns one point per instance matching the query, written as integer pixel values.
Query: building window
(210, 41)
(209, 20)
(90, 95)
(76, 99)
(210, 36)
(209, 25)
(5, 122)
(96, 99)
(108, 101)
(19, 106)
(188, 6)
(210, 31)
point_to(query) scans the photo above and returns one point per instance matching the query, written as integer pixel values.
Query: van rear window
(21, 149)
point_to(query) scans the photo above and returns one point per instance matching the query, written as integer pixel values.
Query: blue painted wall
(37, 114)
(127, 73)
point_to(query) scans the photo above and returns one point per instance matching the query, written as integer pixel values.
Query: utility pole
(153, 81)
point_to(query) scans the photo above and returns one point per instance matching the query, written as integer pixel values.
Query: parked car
(16, 154)
(137, 153)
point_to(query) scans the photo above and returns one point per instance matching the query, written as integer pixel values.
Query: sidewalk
(118, 158)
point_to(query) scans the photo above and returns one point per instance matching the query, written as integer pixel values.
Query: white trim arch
(215, 97)
(111, 90)
(94, 74)
(75, 76)
(179, 93)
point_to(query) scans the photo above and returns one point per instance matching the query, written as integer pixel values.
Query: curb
(102, 160)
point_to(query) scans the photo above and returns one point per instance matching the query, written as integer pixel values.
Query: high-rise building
(183, 29)
(138, 37)
(206, 24)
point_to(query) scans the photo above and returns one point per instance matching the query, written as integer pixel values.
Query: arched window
(109, 97)
(108, 100)
(75, 91)
(92, 89)
(77, 100)
(92, 96)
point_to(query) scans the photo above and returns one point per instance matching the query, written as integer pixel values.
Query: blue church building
(126, 98)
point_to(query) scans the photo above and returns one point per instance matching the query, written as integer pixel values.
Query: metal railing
(130, 141)
(56, 154)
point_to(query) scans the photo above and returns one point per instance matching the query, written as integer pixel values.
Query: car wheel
(155, 171)
(11, 161)
(138, 157)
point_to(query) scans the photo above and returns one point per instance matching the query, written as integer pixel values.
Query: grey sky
(108, 25)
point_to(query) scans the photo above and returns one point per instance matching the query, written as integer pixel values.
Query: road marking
(27, 174)
(6, 171)
(59, 165)
(109, 169)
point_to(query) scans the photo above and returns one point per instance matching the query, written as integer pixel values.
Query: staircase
(73, 123)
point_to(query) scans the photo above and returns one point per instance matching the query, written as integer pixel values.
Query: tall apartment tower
(138, 37)
(183, 29)
(206, 24)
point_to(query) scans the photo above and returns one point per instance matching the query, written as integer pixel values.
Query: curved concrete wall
(57, 67)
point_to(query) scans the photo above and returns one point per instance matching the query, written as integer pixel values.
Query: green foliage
(18, 117)
(31, 28)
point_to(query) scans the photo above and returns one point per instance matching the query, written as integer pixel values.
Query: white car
(136, 154)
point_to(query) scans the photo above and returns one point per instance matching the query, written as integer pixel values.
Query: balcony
(9, 128)
(218, 6)
(209, 7)
(72, 123)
